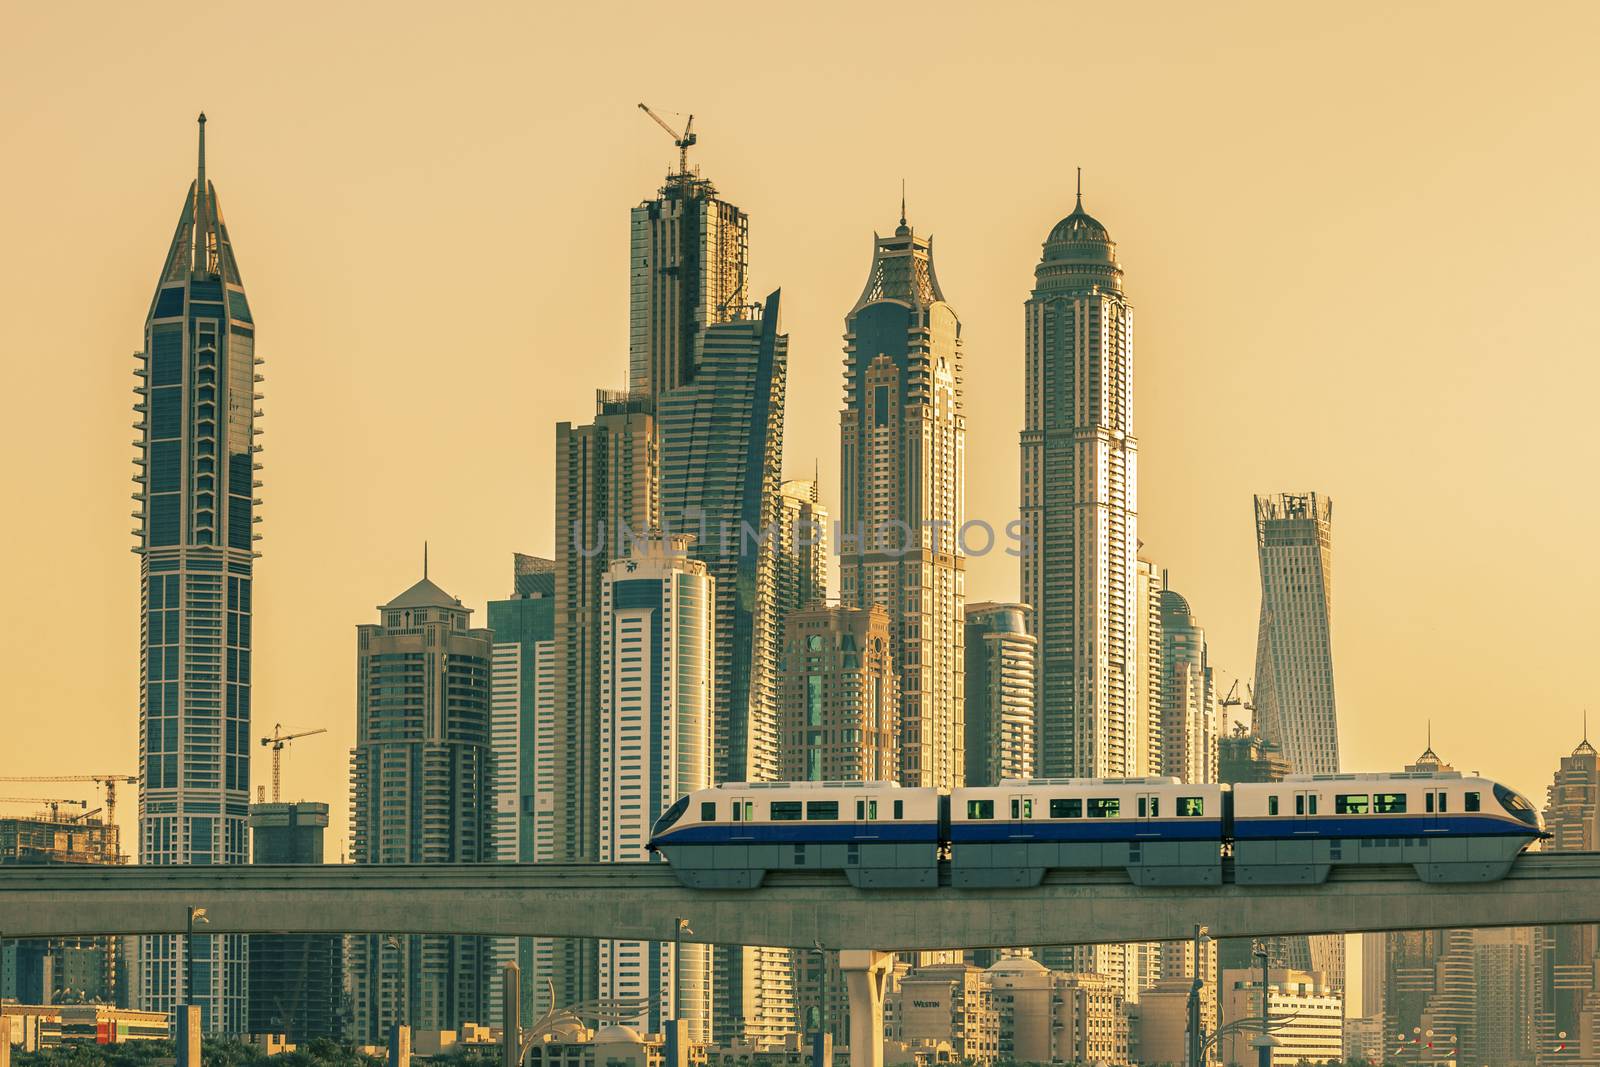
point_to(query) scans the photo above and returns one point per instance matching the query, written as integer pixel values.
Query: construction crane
(684, 140)
(1233, 700)
(109, 781)
(276, 742)
(52, 804)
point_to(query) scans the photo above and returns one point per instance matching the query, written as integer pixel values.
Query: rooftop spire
(902, 201)
(424, 559)
(1080, 188)
(201, 170)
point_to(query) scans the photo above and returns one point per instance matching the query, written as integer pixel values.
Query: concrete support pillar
(866, 974)
(511, 1017)
(186, 1034)
(399, 1047)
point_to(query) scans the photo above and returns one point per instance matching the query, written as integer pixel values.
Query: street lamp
(1264, 1044)
(402, 980)
(1201, 936)
(196, 915)
(679, 929)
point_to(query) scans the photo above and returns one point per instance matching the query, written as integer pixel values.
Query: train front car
(729, 837)
(1158, 830)
(1447, 827)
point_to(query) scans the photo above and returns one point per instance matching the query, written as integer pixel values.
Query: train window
(1155, 807)
(1388, 803)
(1022, 807)
(1311, 798)
(1350, 803)
(1142, 812)
(785, 811)
(1299, 803)
(1473, 803)
(1427, 802)
(735, 807)
(1066, 808)
(821, 810)
(1272, 805)
(1104, 807)
(980, 809)
(1191, 806)
(1444, 801)
(899, 809)
(861, 809)
(708, 811)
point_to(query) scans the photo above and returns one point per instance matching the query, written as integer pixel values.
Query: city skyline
(364, 540)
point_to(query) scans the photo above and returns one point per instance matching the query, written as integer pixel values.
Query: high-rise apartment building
(656, 714)
(421, 791)
(196, 545)
(802, 545)
(902, 458)
(522, 705)
(687, 271)
(1149, 674)
(1079, 504)
(1188, 695)
(1311, 1013)
(296, 980)
(1570, 974)
(1294, 651)
(721, 466)
(837, 701)
(999, 683)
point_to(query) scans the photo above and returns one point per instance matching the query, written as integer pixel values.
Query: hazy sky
(1362, 243)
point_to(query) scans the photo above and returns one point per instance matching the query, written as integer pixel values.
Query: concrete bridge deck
(642, 901)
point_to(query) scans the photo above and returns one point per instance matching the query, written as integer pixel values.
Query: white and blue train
(1162, 832)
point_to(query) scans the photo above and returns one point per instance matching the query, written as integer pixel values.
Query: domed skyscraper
(1079, 461)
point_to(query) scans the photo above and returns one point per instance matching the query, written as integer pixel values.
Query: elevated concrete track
(642, 901)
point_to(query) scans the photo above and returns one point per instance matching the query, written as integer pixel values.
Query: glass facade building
(196, 545)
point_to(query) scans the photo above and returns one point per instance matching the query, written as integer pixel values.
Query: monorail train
(1162, 832)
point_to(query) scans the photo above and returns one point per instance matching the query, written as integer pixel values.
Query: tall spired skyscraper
(196, 547)
(1294, 649)
(902, 459)
(686, 272)
(1079, 505)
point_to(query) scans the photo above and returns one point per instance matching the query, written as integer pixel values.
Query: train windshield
(1516, 805)
(670, 816)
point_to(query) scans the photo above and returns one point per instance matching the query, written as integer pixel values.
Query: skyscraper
(802, 545)
(1079, 504)
(1080, 528)
(656, 714)
(196, 547)
(1294, 652)
(1188, 694)
(1149, 675)
(607, 491)
(687, 267)
(296, 980)
(1571, 974)
(523, 723)
(1000, 677)
(421, 791)
(902, 458)
(838, 696)
(721, 466)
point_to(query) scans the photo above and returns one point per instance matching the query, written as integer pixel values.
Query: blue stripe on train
(802, 833)
(1291, 828)
(1067, 831)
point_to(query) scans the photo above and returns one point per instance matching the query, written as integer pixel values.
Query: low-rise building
(1158, 1025)
(610, 1046)
(1054, 1016)
(948, 1002)
(1363, 1039)
(1305, 1013)
(40, 1026)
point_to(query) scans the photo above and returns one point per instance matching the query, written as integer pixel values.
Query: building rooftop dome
(1017, 965)
(616, 1034)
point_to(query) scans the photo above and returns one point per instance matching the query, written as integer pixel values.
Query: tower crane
(109, 781)
(52, 804)
(683, 140)
(276, 743)
(1233, 700)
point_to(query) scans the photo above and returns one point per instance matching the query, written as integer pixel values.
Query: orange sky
(1362, 244)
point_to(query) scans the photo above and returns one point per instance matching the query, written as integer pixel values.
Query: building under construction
(78, 970)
